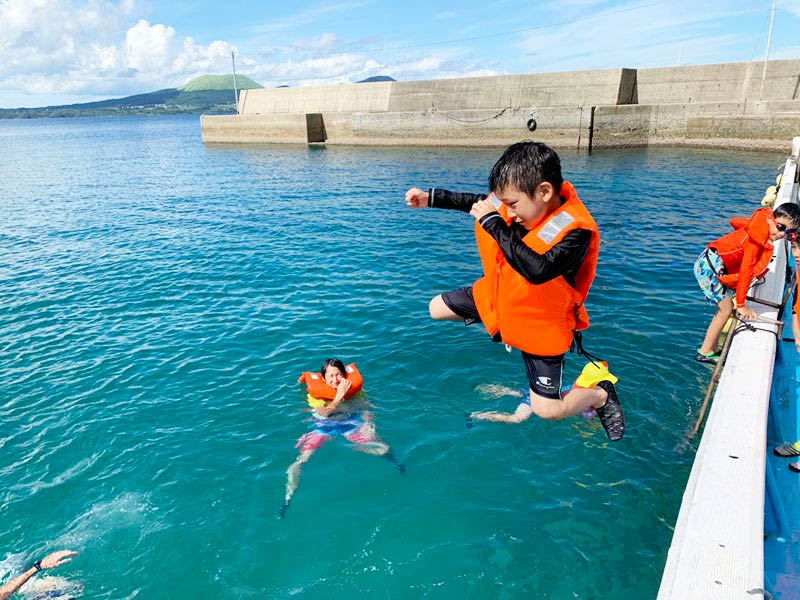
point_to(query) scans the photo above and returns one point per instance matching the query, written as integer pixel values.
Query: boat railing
(717, 549)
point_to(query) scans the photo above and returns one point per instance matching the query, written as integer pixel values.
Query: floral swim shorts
(354, 429)
(706, 270)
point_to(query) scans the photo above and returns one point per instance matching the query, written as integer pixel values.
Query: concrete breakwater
(722, 105)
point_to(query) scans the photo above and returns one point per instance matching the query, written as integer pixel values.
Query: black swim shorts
(462, 302)
(544, 374)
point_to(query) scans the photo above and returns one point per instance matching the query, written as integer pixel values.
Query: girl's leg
(522, 413)
(293, 473)
(308, 444)
(366, 440)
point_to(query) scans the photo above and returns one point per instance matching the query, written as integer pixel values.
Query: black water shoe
(711, 358)
(611, 415)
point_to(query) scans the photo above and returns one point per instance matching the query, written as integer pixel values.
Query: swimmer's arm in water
(48, 562)
(341, 390)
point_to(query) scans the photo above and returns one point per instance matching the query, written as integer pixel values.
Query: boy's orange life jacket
(317, 387)
(796, 306)
(745, 252)
(539, 319)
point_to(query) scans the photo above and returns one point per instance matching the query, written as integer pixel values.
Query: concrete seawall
(708, 105)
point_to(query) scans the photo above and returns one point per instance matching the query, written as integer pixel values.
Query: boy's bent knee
(440, 311)
(549, 409)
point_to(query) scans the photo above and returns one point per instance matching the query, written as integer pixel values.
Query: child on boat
(335, 412)
(793, 449)
(539, 246)
(794, 238)
(732, 261)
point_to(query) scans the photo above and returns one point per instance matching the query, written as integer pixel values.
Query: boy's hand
(482, 208)
(746, 313)
(416, 198)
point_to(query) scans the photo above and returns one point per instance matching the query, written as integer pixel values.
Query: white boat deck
(717, 549)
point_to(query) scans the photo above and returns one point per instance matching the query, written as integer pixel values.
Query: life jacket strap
(577, 346)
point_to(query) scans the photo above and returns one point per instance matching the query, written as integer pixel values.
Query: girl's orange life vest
(537, 318)
(317, 387)
(745, 252)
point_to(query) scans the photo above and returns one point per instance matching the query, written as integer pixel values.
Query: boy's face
(333, 376)
(779, 226)
(526, 210)
(796, 251)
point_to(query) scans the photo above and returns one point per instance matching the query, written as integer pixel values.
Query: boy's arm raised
(438, 198)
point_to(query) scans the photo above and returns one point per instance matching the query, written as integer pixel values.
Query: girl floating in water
(335, 412)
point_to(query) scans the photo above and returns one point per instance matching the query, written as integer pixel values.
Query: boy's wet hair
(333, 362)
(524, 166)
(788, 210)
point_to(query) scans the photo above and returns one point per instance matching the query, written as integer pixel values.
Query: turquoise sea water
(158, 299)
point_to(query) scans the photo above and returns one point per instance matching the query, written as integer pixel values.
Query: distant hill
(220, 82)
(376, 78)
(210, 94)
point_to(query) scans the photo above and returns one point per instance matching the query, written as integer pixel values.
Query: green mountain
(220, 82)
(208, 95)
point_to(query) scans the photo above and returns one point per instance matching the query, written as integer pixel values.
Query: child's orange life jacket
(317, 387)
(539, 319)
(745, 252)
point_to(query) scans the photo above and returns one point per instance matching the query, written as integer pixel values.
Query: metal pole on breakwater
(235, 92)
(766, 54)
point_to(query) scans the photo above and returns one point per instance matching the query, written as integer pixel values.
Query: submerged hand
(324, 411)
(57, 559)
(416, 198)
(482, 208)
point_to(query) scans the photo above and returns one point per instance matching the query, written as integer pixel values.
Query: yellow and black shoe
(787, 450)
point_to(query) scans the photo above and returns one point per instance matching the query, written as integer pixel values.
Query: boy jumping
(539, 250)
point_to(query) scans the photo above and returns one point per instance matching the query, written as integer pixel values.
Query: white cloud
(638, 34)
(350, 67)
(326, 40)
(305, 17)
(792, 6)
(85, 50)
(148, 48)
(89, 50)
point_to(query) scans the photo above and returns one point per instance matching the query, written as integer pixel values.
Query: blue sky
(68, 51)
